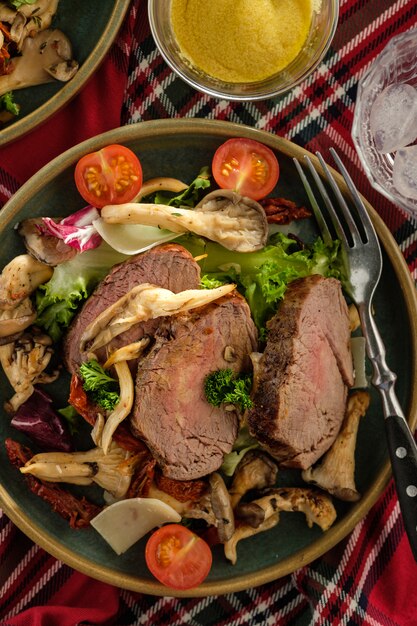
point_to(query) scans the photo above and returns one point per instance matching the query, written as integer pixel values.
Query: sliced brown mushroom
(263, 513)
(45, 248)
(317, 506)
(336, 472)
(255, 471)
(20, 278)
(214, 507)
(24, 362)
(41, 55)
(243, 531)
(222, 507)
(15, 320)
(237, 223)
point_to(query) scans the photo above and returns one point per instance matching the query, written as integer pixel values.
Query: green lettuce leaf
(187, 198)
(58, 300)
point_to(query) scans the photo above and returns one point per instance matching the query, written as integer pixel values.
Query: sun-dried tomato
(283, 211)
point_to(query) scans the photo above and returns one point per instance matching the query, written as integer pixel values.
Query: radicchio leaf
(38, 420)
(76, 230)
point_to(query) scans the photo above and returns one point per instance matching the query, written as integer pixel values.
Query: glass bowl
(322, 29)
(397, 63)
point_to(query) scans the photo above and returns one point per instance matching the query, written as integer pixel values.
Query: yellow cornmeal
(241, 40)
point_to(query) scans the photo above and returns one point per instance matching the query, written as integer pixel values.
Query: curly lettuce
(72, 282)
(263, 276)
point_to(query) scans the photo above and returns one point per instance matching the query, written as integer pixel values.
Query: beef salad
(205, 347)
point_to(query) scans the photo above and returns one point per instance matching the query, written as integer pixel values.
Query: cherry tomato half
(112, 175)
(177, 557)
(246, 166)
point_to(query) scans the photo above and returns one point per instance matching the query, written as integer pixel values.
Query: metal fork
(364, 261)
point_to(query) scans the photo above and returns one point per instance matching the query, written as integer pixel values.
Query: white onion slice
(132, 238)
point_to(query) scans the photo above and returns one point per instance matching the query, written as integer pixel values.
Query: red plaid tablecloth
(370, 578)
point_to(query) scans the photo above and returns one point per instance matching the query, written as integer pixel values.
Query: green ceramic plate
(180, 148)
(91, 27)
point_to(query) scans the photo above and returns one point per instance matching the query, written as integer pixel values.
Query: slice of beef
(170, 266)
(303, 375)
(187, 436)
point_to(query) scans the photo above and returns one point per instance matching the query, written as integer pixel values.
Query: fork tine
(362, 212)
(353, 229)
(329, 205)
(324, 229)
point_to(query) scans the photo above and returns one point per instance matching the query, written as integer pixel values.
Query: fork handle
(401, 444)
(403, 453)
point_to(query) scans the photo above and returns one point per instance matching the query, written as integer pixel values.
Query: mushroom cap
(251, 233)
(45, 248)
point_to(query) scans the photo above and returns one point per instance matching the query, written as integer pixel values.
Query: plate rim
(342, 528)
(69, 90)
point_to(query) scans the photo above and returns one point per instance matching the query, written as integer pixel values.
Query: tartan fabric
(369, 578)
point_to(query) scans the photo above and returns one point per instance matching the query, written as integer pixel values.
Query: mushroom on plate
(45, 248)
(261, 514)
(28, 19)
(160, 183)
(336, 471)
(237, 223)
(144, 302)
(112, 471)
(215, 508)
(20, 278)
(255, 471)
(44, 57)
(13, 321)
(24, 362)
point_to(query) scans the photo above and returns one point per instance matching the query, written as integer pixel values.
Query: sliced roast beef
(186, 435)
(170, 266)
(303, 375)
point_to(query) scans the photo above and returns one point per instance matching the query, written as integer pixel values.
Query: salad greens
(8, 104)
(262, 277)
(187, 198)
(100, 386)
(243, 443)
(72, 282)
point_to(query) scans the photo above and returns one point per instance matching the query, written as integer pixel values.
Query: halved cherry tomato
(177, 557)
(246, 166)
(112, 175)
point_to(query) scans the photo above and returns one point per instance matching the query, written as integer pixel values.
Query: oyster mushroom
(142, 303)
(24, 362)
(214, 507)
(160, 183)
(112, 471)
(45, 57)
(255, 471)
(28, 19)
(263, 514)
(235, 222)
(16, 320)
(317, 507)
(45, 248)
(243, 531)
(122, 408)
(336, 472)
(20, 278)
(222, 507)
